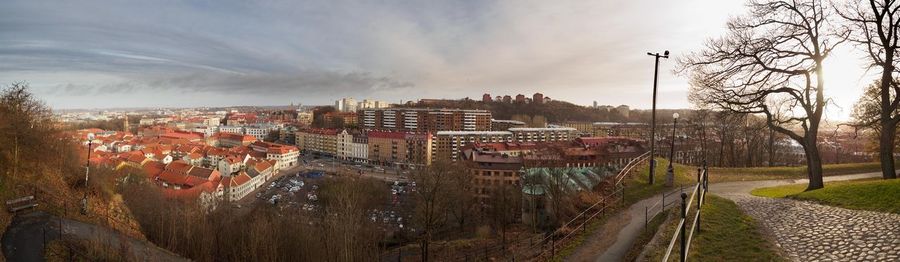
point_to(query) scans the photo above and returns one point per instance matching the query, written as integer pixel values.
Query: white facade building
(543, 134)
(352, 148)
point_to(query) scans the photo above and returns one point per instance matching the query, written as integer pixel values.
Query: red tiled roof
(153, 168)
(179, 166)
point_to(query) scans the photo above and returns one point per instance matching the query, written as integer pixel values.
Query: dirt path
(26, 236)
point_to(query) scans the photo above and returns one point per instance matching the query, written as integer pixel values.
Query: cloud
(258, 84)
(102, 53)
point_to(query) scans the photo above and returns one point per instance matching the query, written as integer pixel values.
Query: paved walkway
(811, 232)
(612, 241)
(805, 231)
(26, 236)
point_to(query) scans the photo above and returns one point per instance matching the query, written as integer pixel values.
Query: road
(26, 236)
(341, 167)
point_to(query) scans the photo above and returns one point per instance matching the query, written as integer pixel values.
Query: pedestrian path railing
(699, 193)
(657, 208)
(581, 221)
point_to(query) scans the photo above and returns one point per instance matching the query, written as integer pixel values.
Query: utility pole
(657, 56)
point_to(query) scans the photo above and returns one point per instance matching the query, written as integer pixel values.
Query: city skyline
(183, 55)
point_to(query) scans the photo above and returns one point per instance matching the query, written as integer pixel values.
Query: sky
(104, 54)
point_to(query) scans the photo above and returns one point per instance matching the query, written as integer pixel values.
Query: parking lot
(299, 192)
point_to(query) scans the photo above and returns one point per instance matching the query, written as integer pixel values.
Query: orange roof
(153, 168)
(136, 158)
(240, 179)
(179, 166)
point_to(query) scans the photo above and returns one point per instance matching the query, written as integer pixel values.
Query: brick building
(422, 120)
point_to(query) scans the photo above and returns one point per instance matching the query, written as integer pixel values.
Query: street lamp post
(670, 170)
(87, 172)
(657, 56)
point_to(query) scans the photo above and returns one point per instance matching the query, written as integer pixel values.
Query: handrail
(672, 243)
(627, 169)
(583, 215)
(700, 193)
(662, 204)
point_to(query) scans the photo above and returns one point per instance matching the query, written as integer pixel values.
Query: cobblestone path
(811, 232)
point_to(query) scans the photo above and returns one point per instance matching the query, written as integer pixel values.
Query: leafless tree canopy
(770, 62)
(874, 26)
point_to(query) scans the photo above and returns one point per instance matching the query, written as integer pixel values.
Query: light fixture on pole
(670, 170)
(652, 161)
(87, 172)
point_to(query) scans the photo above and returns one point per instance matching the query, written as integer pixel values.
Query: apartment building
(629, 129)
(447, 145)
(285, 156)
(399, 148)
(232, 140)
(505, 125)
(352, 147)
(318, 140)
(495, 164)
(422, 120)
(543, 134)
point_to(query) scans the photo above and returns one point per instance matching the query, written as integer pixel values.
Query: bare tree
(770, 62)
(349, 236)
(874, 27)
(434, 186)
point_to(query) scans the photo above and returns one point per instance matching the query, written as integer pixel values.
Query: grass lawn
(721, 174)
(637, 187)
(864, 194)
(686, 173)
(727, 235)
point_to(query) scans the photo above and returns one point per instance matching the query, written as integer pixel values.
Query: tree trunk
(722, 149)
(771, 147)
(886, 149)
(813, 165)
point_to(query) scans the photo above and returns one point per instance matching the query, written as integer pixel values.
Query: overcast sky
(98, 54)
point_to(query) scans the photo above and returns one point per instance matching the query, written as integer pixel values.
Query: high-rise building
(370, 104)
(425, 120)
(537, 98)
(347, 104)
(520, 98)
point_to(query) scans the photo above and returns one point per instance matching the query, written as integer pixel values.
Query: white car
(274, 199)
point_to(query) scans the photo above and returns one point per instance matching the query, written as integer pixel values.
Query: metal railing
(681, 232)
(592, 212)
(660, 206)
